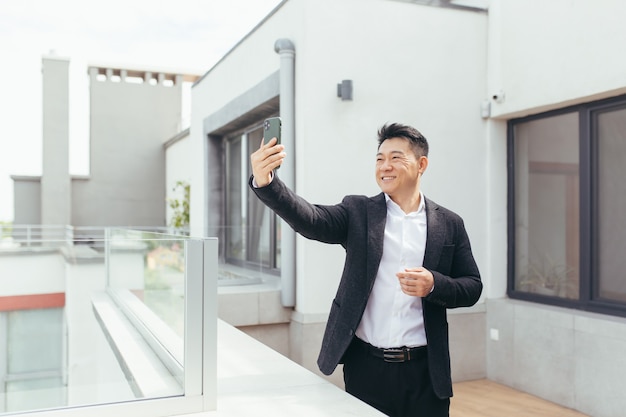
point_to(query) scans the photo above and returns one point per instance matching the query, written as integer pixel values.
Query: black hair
(418, 142)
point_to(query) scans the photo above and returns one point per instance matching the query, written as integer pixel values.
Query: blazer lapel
(376, 218)
(435, 234)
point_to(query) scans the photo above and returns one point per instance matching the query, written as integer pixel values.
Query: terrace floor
(484, 398)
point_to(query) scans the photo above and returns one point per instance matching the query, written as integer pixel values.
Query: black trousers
(397, 389)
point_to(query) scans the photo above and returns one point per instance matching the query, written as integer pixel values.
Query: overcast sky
(187, 35)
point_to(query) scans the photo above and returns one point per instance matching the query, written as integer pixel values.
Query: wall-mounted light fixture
(344, 90)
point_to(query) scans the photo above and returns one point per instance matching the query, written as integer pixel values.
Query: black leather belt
(400, 354)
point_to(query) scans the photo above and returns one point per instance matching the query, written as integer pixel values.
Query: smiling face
(398, 170)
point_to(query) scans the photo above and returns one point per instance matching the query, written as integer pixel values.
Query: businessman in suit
(407, 261)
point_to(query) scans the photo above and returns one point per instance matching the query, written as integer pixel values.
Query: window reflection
(547, 206)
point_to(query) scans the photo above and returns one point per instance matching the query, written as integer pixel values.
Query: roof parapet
(155, 75)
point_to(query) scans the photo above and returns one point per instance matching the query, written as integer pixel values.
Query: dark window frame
(274, 267)
(588, 204)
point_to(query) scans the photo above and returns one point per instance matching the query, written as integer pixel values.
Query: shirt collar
(395, 208)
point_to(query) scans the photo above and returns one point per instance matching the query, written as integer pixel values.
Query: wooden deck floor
(484, 398)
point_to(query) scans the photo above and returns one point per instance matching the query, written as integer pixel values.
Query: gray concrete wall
(26, 200)
(55, 180)
(131, 118)
(468, 350)
(570, 357)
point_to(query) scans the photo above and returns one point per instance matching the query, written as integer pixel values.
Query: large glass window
(546, 196)
(567, 205)
(252, 232)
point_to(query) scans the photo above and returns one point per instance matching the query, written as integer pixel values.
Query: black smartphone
(271, 129)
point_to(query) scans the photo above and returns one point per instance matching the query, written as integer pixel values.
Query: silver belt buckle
(395, 355)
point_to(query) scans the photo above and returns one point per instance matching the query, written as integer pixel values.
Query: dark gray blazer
(358, 224)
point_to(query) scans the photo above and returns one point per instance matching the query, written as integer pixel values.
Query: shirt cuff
(255, 185)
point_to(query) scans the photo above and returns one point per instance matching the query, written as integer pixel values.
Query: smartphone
(271, 129)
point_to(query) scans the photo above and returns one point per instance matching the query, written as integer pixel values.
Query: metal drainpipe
(287, 172)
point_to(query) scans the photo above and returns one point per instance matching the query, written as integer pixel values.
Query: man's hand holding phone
(265, 160)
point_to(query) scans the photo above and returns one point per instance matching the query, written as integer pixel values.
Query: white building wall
(544, 56)
(412, 64)
(548, 54)
(56, 190)
(494, 267)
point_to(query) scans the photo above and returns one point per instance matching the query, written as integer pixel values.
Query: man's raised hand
(265, 160)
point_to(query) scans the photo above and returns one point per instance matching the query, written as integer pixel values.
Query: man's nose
(385, 166)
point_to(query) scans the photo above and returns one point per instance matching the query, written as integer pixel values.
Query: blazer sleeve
(457, 279)
(328, 224)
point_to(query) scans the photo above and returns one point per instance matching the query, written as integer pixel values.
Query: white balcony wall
(39, 272)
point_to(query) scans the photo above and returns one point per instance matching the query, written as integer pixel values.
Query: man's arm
(461, 286)
(318, 222)
(323, 223)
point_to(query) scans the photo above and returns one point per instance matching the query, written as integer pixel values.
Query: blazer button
(351, 332)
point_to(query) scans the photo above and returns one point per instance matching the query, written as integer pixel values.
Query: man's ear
(423, 164)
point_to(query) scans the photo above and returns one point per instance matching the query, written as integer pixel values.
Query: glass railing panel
(151, 266)
(146, 279)
(113, 320)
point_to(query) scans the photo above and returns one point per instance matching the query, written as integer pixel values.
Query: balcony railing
(35, 234)
(122, 322)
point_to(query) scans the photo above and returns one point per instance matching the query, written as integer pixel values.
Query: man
(407, 261)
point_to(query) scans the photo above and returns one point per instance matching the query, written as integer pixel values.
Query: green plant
(180, 207)
(6, 229)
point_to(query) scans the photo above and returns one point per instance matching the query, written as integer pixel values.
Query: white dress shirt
(392, 318)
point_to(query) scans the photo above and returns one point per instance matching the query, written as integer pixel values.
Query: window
(252, 232)
(567, 207)
(32, 376)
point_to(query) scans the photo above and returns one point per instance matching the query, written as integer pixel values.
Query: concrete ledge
(146, 374)
(252, 379)
(82, 254)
